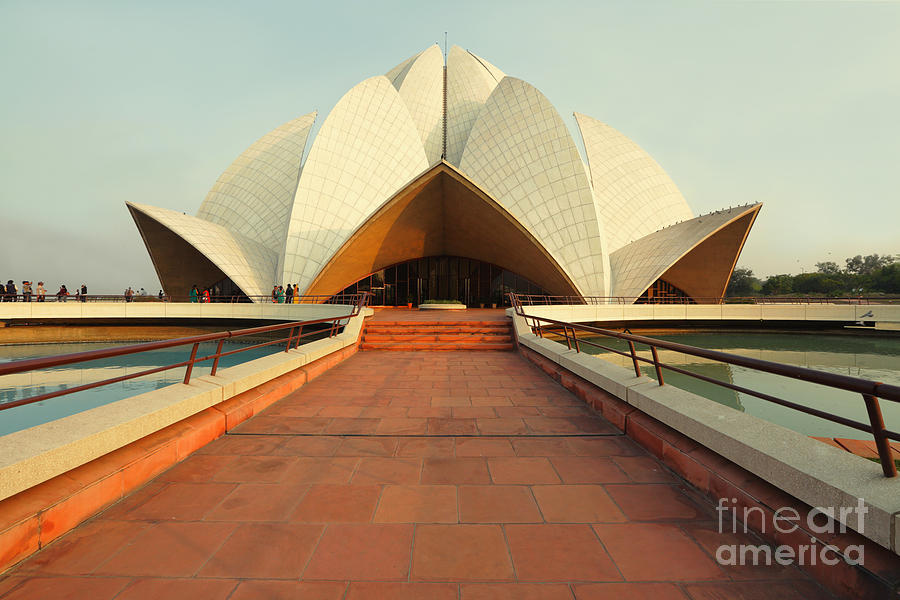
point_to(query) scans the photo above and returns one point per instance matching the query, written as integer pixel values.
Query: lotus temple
(446, 179)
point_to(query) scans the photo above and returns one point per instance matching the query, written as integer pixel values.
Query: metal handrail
(871, 391)
(295, 334)
(541, 300)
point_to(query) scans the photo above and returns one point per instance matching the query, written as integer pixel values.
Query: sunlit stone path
(410, 475)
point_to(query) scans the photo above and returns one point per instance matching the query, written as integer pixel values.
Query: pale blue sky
(795, 104)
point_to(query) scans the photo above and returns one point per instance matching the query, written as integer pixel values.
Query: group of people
(130, 293)
(205, 295)
(291, 295)
(10, 292)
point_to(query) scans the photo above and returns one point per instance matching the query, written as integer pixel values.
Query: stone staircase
(437, 335)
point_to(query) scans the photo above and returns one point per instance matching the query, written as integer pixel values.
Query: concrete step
(502, 337)
(449, 330)
(433, 346)
(442, 324)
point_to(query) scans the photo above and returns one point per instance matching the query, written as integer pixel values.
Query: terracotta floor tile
(322, 470)
(303, 445)
(708, 536)
(451, 427)
(378, 470)
(340, 412)
(401, 426)
(84, 549)
(258, 502)
(352, 426)
(460, 553)
(417, 504)
(243, 445)
(675, 555)
(197, 467)
(70, 588)
(517, 411)
(497, 504)
(195, 589)
(586, 469)
(362, 552)
(456, 471)
(654, 502)
(745, 590)
(168, 550)
(384, 412)
(542, 447)
(425, 412)
(559, 553)
(618, 445)
(262, 589)
(628, 591)
(256, 469)
(337, 503)
(264, 550)
(473, 412)
(451, 401)
(364, 590)
(576, 504)
(265, 424)
(483, 447)
(501, 426)
(425, 447)
(522, 471)
(182, 502)
(644, 469)
(367, 447)
(497, 402)
(515, 591)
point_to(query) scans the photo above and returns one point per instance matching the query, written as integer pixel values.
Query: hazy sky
(795, 104)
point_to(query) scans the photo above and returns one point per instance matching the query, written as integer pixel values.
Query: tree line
(861, 275)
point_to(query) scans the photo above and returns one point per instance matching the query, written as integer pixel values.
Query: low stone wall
(56, 475)
(747, 465)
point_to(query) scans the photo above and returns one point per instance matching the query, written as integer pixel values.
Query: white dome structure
(446, 180)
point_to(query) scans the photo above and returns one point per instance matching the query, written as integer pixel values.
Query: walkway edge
(46, 494)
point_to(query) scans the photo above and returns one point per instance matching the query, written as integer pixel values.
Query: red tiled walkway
(409, 475)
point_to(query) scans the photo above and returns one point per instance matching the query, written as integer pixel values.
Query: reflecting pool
(876, 358)
(23, 385)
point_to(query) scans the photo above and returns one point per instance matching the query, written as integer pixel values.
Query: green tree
(866, 265)
(743, 283)
(778, 285)
(887, 279)
(828, 268)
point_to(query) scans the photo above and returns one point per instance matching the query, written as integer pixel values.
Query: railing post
(637, 368)
(299, 336)
(566, 332)
(575, 337)
(290, 340)
(881, 440)
(659, 375)
(190, 366)
(215, 366)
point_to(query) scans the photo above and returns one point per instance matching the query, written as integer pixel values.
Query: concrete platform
(410, 475)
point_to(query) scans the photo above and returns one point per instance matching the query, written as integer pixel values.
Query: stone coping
(815, 473)
(845, 313)
(37, 454)
(73, 311)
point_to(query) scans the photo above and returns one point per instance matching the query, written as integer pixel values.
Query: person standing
(41, 292)
(160, 296)
(195, 294)
(84, 292)
(12, 292)
(280, 295)
(26, 291)
(296, 293)
(274, 293)
(206, 295)
(62, 294)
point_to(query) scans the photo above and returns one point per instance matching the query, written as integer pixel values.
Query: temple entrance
(475, 283)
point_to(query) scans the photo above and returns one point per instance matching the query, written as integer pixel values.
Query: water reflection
(875, 358)
(23, 385)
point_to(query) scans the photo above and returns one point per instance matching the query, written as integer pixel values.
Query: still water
(876, 358)
(23, 385)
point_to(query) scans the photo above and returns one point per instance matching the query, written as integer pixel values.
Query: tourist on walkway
(26, 291)
(206, 295)
(161, 297)
(83, 292)
(289, 293)
(296, 293)
(279, 295)
(12, 292)
(41, 291)
(195, 294)
(274, 293)
(62, 294)
(129, 294)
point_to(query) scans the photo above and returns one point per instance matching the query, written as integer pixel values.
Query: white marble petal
(249, 264)
(637, 265)
(253, 196)
(469, 83)
(520, 152)
(367, 149)
(635, 196)
(422, 90)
